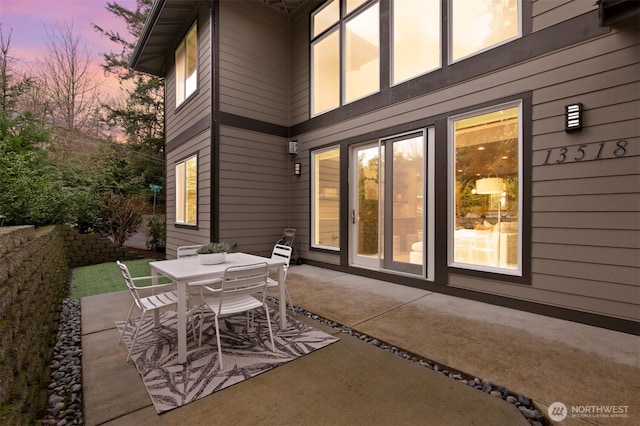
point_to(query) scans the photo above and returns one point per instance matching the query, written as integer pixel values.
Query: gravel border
(523, 403)
(64, 405)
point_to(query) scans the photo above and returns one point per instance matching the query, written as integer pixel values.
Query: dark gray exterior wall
(254, 167)
(584, 229)
(188, 131)
(582, 217)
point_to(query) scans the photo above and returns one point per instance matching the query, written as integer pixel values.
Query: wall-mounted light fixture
(297, 169)
(573, 117)
(293, 147)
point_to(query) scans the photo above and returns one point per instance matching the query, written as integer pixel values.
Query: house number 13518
(587, 152)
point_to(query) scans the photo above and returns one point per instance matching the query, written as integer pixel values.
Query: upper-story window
(345, 53)
(415, 38)
(477, 25)
(346, 42)
(187, 66)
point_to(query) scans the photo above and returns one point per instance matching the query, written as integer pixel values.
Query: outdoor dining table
(188, 269)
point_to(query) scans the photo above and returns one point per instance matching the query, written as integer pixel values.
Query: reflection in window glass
(415, 38)
(187, 191)
(408, 200)
(362, 54)
(353, 5)
(187, 66)
(191, 66)
(326, 17)
(487, 201)
(326, 199)
(479, 24)
(326, 73)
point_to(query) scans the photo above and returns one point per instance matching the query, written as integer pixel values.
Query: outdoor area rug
(244, 354)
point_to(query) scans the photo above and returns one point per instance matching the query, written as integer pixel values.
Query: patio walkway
(353, 382)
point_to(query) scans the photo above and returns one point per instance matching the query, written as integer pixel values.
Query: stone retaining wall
(91, 249)
(34, 278)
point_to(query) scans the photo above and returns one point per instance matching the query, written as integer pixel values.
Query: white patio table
(189, 269)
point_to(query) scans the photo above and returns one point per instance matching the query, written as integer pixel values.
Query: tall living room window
(187, 66)
(325, 204)
(486, 205)
(187, 191)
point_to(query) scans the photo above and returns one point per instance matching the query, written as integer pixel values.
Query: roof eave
(134, 61)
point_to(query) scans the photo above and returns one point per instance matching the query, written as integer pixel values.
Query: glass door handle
(353, 216)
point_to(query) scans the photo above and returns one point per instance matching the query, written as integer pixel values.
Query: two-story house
(487, 149)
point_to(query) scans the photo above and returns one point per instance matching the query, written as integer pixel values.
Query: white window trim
(312, 64)
(343, 52)
(493, 46)
(451, 175)
(313, 198)
(184, 83)
(183, 190)
(391, 52)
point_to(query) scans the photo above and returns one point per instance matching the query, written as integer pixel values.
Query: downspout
(215, 127)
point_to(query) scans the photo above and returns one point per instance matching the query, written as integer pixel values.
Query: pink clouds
(30, 20)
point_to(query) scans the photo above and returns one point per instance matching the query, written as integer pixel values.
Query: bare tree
(70, 84)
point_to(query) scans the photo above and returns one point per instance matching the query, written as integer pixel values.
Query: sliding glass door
(387, 204)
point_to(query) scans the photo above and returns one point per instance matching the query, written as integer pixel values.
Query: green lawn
(105, 277)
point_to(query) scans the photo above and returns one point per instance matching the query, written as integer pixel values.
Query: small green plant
(214, 248)
(156, 234)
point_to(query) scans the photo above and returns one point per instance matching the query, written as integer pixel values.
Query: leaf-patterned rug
(244, 354)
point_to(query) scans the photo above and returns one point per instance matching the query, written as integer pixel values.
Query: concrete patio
(352, 382)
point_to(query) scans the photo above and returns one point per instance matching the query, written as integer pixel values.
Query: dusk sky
(29, 20)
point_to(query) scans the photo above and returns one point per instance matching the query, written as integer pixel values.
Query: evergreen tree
(142, 114)
(21, 131)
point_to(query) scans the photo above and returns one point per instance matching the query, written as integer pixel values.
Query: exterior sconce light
(573, 117)
(293, 147)
(297, 169)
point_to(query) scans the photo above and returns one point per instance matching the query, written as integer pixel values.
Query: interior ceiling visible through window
(285, 6)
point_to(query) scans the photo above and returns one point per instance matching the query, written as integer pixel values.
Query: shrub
(156, 234)
(121, 216)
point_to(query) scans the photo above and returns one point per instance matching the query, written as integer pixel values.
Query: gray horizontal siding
(179, 236)
(254, 63)
(589, 203)
(546, 13)
(562, 250)
(300, 78)
(180, 120)
(595, 238)
(254, 174)
(626, 184)
(585, 214)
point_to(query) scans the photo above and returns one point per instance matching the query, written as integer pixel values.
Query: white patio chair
(235, 294)
(184, 251)
(194, 286)
(152, 302)
(282, 252)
